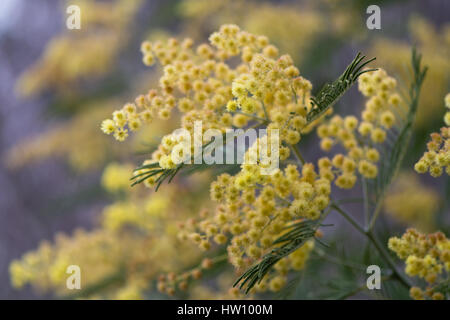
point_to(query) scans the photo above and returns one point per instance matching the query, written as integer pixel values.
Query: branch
(398, 151)
(369, 234)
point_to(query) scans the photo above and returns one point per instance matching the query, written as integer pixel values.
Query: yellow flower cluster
(88, 150)
(116, 177)
(97, 253)
(136, 241)
(306, 23)
(270, 88)
(438, 155)
(221, 290)
(254, 210)
(203, 87)
(410, 202)
(204, 83)
(172, 282)
(426, 255)
(72, 56)
(360, 138)
(434, 44)
(383, 106)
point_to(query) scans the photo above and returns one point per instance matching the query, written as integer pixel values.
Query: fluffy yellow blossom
(360, 138)
(74, 56)
(130, 292)
(437, 158)
(116, 177)
(134, 244)
(426, 256)
(254, 209)
(46, 267)
(412, 203)
(200, 83)
(435, 47)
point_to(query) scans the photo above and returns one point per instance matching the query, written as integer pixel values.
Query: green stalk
(371, 237)
(298, 155)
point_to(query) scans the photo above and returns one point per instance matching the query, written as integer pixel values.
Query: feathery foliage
(154, 170)
(331, 93)
(393, 154)
(293, 239)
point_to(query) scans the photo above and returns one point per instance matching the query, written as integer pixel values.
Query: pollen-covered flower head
(426, 256)
(362, 138)
(437, 159)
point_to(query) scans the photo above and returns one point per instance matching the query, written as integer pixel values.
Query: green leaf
(331, 93)
(296, 237)
(392, 156)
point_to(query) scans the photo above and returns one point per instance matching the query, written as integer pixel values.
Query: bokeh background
(58, 84)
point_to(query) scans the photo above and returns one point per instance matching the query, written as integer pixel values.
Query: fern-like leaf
(293, 239)
(152, 170)
(331, 93)
(392, 156)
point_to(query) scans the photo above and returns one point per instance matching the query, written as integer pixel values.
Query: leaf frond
(292, 240)
(331, 93)
(392, 156)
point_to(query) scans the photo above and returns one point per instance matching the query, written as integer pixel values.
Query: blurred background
(59, 174)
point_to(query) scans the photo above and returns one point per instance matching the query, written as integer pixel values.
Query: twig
(361, 288)
(298, 155)
(366, 201)
(369, 234)
(322, 254)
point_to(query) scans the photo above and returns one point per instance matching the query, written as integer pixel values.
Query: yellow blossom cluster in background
(87, 149)
(437, 157)
(435, 46)
(96, 252)
(116, 177)
(295, 27)
(136, 242)
(55, 66)
(74, 56)
(426, 256)
(412, 203)
(84, 151)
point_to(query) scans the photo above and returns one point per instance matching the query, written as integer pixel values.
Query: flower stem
(298, 155)
(265, 112)
(361, 289)
(366, 201)
(250, 116)
(370, 235)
